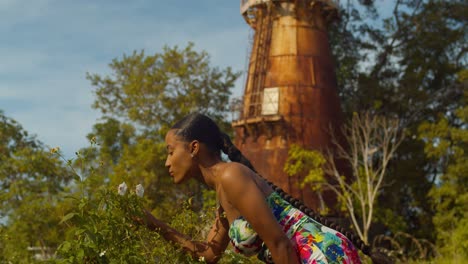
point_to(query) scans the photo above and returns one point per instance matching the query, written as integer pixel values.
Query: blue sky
(47, 46)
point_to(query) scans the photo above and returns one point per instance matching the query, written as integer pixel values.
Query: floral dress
(313, 242)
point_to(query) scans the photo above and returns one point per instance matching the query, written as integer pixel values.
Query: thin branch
(371, 143)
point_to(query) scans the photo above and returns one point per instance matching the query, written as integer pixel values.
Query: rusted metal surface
(290, 52)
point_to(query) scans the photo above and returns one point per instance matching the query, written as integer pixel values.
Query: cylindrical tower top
(248, 7)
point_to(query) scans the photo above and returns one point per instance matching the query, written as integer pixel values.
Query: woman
(252, 214)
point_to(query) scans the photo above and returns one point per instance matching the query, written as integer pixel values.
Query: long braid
(235, 154)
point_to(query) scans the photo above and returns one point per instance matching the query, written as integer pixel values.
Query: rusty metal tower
(290, 94)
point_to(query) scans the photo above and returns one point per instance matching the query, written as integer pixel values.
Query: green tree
(403, 66)
(154, 91)
(447, 145)
(31, 179)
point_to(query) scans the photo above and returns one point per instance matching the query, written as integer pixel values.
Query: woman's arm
(211, 249)
(244, 194)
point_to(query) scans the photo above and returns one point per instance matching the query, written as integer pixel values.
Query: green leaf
(67, 217)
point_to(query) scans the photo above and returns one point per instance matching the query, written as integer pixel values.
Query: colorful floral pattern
(314, 242)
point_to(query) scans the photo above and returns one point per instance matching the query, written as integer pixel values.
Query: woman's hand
(138, 220)
(211, 249)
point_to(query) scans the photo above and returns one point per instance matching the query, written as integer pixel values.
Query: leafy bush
(104, 229)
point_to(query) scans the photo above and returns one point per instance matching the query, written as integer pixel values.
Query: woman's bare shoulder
(234, 171)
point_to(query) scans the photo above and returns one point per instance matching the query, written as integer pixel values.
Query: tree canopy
(31, 181)
(403, 66)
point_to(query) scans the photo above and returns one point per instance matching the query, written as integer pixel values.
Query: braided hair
(200, 127)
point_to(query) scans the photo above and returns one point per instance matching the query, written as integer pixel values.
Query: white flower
(201, 259)
(122, 188)
(102, 253)
(139, 190)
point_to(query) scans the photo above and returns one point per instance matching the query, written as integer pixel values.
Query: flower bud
(54, 150)
(139, 190)
(122, 188)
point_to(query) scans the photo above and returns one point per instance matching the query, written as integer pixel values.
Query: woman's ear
(194, 147)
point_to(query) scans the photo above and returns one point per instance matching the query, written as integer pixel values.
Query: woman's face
(179, 161)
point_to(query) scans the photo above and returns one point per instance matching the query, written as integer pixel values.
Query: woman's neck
(210, 171)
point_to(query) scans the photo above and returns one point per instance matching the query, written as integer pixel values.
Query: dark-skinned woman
(253, 214)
